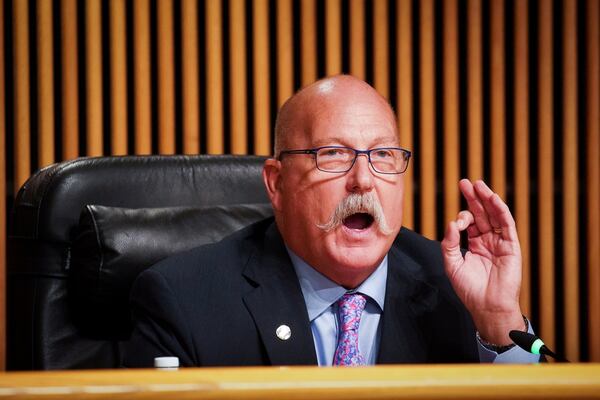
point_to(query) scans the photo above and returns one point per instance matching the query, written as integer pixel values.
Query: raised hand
(488, 277)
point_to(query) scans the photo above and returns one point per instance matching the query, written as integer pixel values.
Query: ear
(272, 178)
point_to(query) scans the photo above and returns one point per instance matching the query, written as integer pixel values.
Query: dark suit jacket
(220, 304)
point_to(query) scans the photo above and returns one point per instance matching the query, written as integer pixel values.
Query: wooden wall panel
(513, 99)
(285, 51)
(522, 207)
(93, 78)
(381, 59)
(45, 72)
(70, 79)
(118, 78)
(451, 112)
(141, 75)
(404, 92)
(497, 98)
(214, 78)
(191, 76)
(592, 183)
(239, 124)
(2, 199)
(475, 90)
(21, 98)
(570, 188)
(333, 37)
(357, 38)
(166, 78)
(545, 204)
(427, 156)
(262, 116)
(308, 41)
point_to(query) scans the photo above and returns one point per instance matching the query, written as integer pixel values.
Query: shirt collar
(320, 292)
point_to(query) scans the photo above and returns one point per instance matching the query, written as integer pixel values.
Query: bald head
(298, 113)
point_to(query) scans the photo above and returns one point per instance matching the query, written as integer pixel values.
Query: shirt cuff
(516, 355)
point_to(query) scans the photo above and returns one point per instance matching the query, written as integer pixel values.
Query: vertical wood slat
(405, 100)
(333, 37)
(93, 77)
(142, 96)
(498, 112)
(45, 70)
(381, 80)
(570, 184)
(22, 128)
(285, 46)
(2, 199)
(262, 116)
(357, 38)
(237, 51)
(521, 147)
(118, 78)
(166, 78)
(308, 41)
(592, 141)
(475, 91)
(214, 78)
(428, 112)
(70, 79)
(546, 187)
(190, 77)
(451, 111)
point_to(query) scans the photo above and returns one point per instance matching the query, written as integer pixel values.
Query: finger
(487, 198)
(499, 213)
(473, 231)
(464, 219)
(475, 206)
(452, 254)
(451, 248)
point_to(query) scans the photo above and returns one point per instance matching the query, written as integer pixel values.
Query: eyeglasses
(384, 160)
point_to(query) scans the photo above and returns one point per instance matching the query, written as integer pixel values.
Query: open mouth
(358, 221)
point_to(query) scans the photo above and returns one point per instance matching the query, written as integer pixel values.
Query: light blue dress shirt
(321, 295)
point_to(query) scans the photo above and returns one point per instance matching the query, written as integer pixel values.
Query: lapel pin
(283, 332)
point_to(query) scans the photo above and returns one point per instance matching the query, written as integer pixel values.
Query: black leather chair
(82, 230)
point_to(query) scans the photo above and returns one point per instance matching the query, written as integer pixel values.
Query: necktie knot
(351, 306)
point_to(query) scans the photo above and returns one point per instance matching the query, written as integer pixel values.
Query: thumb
(451, 253)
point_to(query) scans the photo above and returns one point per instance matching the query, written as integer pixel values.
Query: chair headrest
(48, 205)
(114, 245)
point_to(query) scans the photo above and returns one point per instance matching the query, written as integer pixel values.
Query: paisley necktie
(350, 308)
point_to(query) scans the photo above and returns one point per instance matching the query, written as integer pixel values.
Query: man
(334, 279)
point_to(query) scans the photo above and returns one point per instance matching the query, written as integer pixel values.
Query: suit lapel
(407, 298)
(277, 300)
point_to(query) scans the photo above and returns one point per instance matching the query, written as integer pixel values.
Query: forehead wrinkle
(379, 141)
(333, 128)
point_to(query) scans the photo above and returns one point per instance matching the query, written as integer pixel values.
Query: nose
(360, 178)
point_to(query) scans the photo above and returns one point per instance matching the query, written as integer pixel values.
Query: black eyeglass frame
(314, 151)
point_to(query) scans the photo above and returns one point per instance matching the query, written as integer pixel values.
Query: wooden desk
(549, 381)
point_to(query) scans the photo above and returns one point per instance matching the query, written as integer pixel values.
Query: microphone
(533, 344)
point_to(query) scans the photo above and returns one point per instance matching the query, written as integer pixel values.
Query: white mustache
(358, 203)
